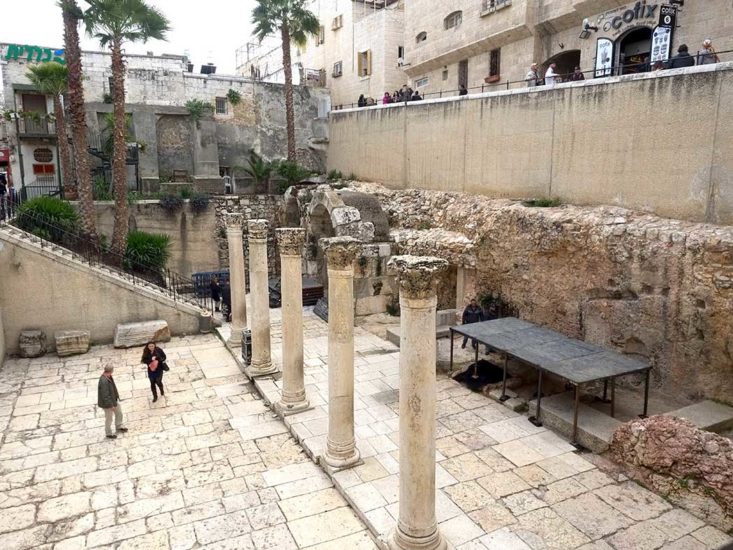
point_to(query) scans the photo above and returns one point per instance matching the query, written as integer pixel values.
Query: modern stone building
(263, 61)
(359, 49)
(247, 114)
(482, 42)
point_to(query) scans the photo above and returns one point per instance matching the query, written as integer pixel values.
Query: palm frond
(51, 77)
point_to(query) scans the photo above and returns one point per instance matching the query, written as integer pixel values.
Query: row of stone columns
(417, 525)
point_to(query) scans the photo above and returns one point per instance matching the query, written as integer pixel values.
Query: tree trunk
(78, 123)
(65, 178)
(289, 114)
(119, 154)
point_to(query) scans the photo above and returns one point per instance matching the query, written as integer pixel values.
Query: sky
(210, 30)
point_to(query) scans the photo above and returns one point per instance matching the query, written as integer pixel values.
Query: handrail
(139, 273)
(616, 70)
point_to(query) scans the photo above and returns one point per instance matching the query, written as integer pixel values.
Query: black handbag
(165, 367)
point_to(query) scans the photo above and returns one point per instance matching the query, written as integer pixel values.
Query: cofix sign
(668, 16)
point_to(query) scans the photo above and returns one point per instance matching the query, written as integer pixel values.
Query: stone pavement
(208, 466)
(503, 484)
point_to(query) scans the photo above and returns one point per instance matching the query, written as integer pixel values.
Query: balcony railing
(490, 6)
(31, 127)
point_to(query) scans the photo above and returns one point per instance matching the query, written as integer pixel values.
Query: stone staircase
(14, 235)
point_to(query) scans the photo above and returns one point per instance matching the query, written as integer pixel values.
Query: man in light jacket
(532, 77)
(108, 398)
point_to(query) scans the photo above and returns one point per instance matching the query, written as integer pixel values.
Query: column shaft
(236, 279)
(259, 295)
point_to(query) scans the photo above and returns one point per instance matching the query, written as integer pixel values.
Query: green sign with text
(33, 53)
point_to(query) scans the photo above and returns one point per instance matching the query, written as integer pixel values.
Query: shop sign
(33, 53)
(668, 17)
(661, 43)
(614, 21)
(4, 155)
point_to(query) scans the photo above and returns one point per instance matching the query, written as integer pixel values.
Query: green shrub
(199, 203)
(171, 203)
(234, 97)
(146, 252)
(47, 217)
(335, 175)
(198, 108)
(291, 171)
(101, 190)
(186, 193)
(542, 203)
(258, 168)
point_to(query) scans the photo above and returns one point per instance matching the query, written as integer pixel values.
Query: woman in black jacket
(154, 358)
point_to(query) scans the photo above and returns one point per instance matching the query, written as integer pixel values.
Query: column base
(235, 338)
(255, 371)
(286, 409)
(399, 541)
(333, 464)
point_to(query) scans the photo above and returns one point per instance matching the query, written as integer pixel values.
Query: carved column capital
(417, 274)
(290, 240)
(340, 251)
(257, 229)
(233, 221)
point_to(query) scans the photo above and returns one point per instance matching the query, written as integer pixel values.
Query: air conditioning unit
(337, 69)
(337, 22)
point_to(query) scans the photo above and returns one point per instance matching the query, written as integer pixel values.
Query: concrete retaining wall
(657, 142)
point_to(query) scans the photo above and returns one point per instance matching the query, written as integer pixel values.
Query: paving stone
(534, 475)
(265, 515)
(492, 517)
(521, 503)
(711, 537)
(503, 539)
(677, 523)
(116, 533)
(17, 518)
(24, 538)
(466, 467)
(153, 541)
(357, 541)
(592, 516)
(503, 483)
(460, 530)
(560, 490)
(641, 536)
(469, 495)
(222, 527)
(274, 538)
(633, 500)
(324, 527)
(685, 543)
(543, 528)
(311, 504)
(64, 507)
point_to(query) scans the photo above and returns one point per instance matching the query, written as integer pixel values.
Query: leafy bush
(542, 203)
(171, 203)
(258, 168)
(291, 171)
(186, 193)
(335, 175)
(101, 190)
(146, 252)
(198, 108)
(199, 203)
(47, 217)
(234, 97)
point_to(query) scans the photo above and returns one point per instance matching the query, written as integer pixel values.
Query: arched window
(421, 37)
(453, 20)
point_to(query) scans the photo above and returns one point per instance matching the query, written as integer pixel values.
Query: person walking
(532, 76)
(215, 292)
(708, 55)
(577, 75)
(386, 99)
(682, 59)
(416, 96)
(108, 399)
(472, 314)
(154, 358)
(462, 90)
(226, 301)
(551, 75)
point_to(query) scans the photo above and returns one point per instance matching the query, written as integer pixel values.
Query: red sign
(4, 155)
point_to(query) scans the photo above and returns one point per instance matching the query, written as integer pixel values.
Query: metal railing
(56, 236)
(629, 68)
(41, 127)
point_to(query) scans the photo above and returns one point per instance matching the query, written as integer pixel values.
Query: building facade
(263, 61)
(492, 43)
(359, 49)
(247, 114)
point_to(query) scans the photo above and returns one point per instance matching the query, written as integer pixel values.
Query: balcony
(490, 6)
(28, 127)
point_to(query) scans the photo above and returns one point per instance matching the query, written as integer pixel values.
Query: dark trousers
(156, 380)
(474, 343)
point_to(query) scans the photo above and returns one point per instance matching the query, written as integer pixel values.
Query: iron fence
(629, 68)
(55, 235)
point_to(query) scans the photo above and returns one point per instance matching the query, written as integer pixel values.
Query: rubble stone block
(32, 343)
(72, 342)
(131, 335)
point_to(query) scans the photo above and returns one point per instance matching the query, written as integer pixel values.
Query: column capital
(340, 251)
(257, 229)
(233, 220)
(290, 240)
(417, 274)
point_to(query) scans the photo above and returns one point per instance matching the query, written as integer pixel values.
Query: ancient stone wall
(655, 288)
(657, 142)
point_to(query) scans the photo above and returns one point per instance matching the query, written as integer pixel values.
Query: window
(338, 68)
(321, 38)
(365, 63)
(422, 82)
(337, 22)
(43, 169)
(490, 6)
(494, 65)
(422, 37)
(221, 105)
(453, 20)
(445, 74)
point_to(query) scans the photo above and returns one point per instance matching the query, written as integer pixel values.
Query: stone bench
(138, 334)
(72, 342)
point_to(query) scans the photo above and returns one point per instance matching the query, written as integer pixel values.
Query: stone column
(290, 241)
(341, 451)
(259, 295)
(233, 223)
(417, 527)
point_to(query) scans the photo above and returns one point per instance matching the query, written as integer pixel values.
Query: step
(595, 428)
(707, 415)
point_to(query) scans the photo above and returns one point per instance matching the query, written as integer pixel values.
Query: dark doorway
(634, 50)
(463, 73)
(566, 63)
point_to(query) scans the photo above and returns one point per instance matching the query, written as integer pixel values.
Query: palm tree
(72, 15)
(114, 22)
(295, 22)
(51, 78)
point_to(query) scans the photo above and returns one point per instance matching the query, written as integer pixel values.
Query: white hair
(108, 368)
